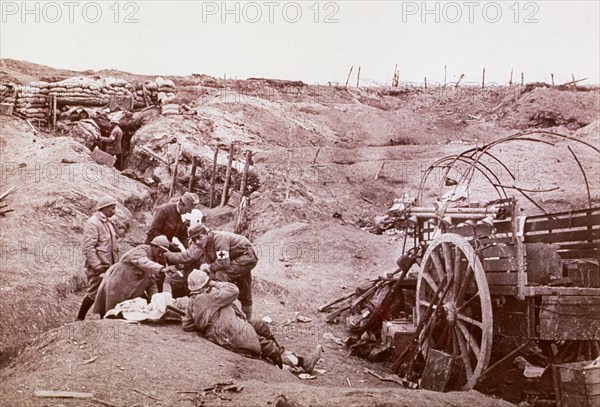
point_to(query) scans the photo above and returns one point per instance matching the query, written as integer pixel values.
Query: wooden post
(54, 113)
(552, 78)
(193, 174)
(358, 77)
(348, 78)
(483, 79)
(522, 78)
(445, 75)
(287, 176)
(462, 75)
(225, 195)
(245, 173)
(172, 190)
(395, 78)
(213, 178)
(510, 80)
(425, 82)
(144, 95)
(379, 171)
(574, 83)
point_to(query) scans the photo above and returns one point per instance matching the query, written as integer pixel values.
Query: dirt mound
(57, 186)
(162, 364)
(546, 107)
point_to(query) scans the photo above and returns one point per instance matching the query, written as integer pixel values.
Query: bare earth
(338, 139)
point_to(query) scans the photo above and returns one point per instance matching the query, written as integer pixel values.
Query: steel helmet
(161, 242)
(198, 229)
(197, 279)
(106, 201)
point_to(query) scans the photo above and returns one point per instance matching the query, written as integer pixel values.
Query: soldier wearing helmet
(211, 311)
(134, 275)
(229, 257)
(99, 249)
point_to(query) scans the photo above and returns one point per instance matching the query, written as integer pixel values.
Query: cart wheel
(462, 326)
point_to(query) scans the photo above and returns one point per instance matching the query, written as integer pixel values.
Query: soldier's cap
(106, 201)
(190, 199)
(198, 229)
(197, 279)
(161, 241)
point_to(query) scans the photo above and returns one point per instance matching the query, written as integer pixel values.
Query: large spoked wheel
(461, 322)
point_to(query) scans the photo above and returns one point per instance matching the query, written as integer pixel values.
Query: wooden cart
(488, 272)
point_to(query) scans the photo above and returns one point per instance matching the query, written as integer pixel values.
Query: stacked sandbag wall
(33, 101)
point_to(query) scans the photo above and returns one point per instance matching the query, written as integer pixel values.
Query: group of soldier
(182, 256)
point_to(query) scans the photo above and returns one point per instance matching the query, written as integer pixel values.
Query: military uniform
(211, 312)
(133, 276)
(231, 258)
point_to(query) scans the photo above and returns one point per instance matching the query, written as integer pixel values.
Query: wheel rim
(462, 326)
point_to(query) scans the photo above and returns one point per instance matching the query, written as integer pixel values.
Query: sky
(312, 41)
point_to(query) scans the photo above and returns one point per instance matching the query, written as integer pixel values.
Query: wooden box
(577, 384)
(6, 109)
(441, 371)
(103, 158)
(399, 334)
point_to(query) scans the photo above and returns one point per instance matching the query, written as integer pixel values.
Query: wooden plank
(581, 245)
(572, 236)
(501, 251)
(563, 214)
(532, 291)
(502, 278)
(579, 220)
(63, 394)
(506, 264)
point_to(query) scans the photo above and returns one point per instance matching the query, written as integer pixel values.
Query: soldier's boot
(309, 362)
(247, 310)
(85, 307)
(270, 351)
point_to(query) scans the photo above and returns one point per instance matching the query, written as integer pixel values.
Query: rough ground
(317, 150)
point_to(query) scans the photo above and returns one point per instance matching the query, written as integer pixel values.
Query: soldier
(230, 258)
(212, 312)
(168, 221)
(99, 248)
(134, 275)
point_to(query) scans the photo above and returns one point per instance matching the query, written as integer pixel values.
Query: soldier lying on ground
(229, 257)
(134, 275)
(212, 312)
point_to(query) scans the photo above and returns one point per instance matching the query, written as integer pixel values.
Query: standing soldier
(168, 221)
(230, 258)
(99, 249)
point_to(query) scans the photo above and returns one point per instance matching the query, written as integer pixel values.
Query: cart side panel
(569, 317)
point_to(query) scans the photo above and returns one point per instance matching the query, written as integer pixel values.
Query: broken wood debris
(147, 395)
(216, 390)
(402, 382)
(3, 210)
(63, 394)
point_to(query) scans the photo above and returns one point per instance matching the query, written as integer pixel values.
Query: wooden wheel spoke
(437, 265)
(457, 273)
(447, 259)
(471, 321)
(429, 280)
(465, 283)
(467, 303)
(471, 341)
(464, 354)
